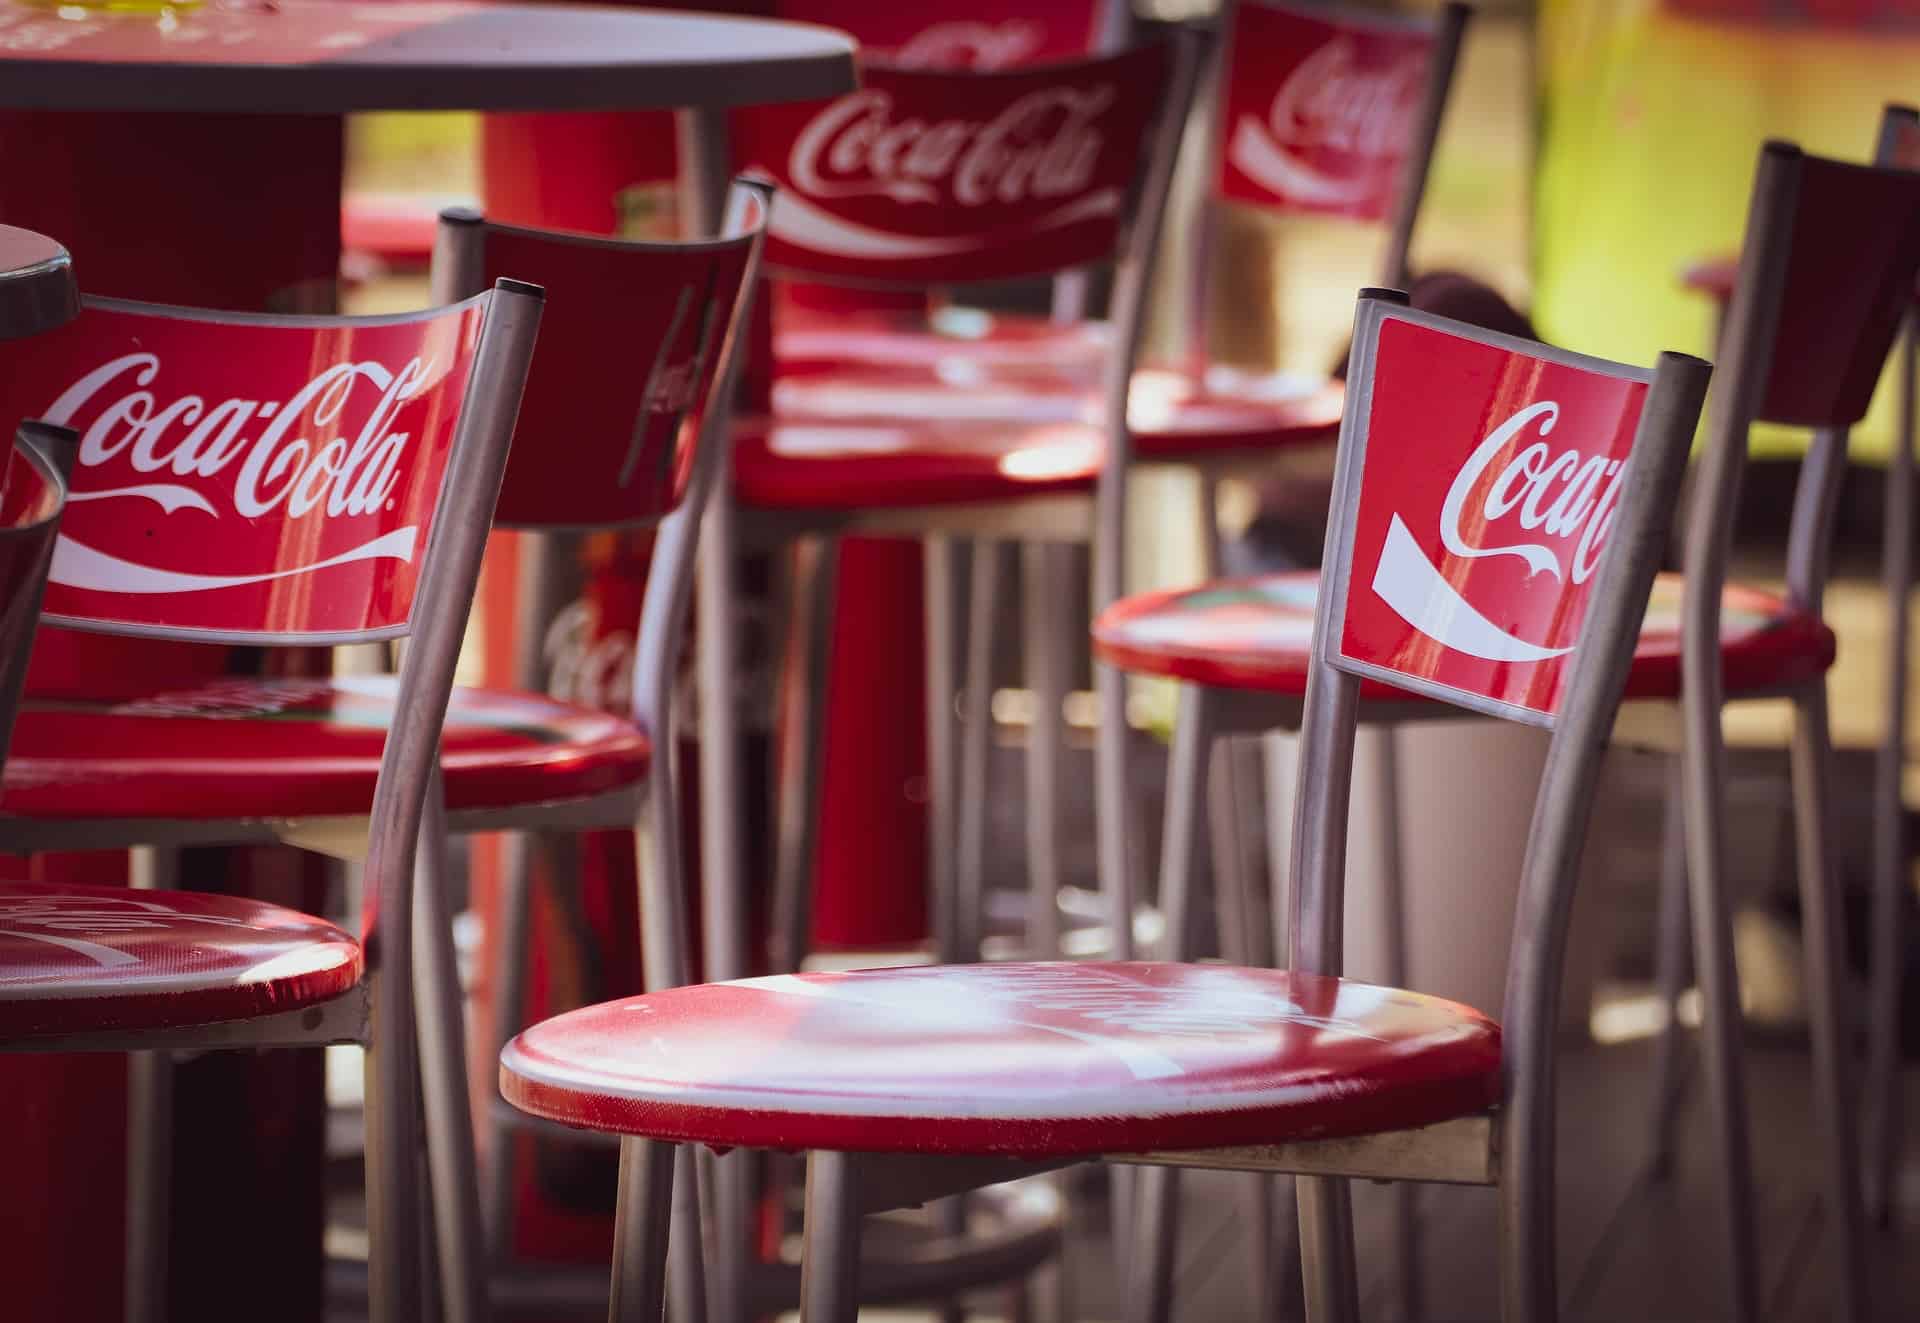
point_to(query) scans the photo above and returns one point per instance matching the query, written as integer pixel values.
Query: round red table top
(37, 290)
(319, 56)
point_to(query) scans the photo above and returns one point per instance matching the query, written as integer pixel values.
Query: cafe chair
(907, 1084)
(1811, 325)
(1897, 147)
(1306, 110)
(338, 477)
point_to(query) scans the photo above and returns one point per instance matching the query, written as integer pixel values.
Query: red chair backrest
(981, 34)
(1318, 107)
(1480, 475)
(1855, 252)
(629, 342)
(940, 178)
(247, 478)
(33, 495)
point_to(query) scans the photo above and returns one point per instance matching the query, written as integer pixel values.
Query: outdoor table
(37, 290)
(194, 155)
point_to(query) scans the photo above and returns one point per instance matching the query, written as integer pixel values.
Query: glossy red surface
(1317, 110)
(1029, 1059)
(961, 343)
(862, 440)
(1483, 480)
(978, 34)
(246, 476)
(802, 465)
(397, 228)
(278, 33)
(76, 959)
(1257, 633)
(943, 177)
(264, 748)
(630, 338)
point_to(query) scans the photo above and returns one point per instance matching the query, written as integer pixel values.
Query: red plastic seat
(1036, 1060)
(963, 342)
(91, 959)
(850, 441)
(298, 747)
(1255, 634)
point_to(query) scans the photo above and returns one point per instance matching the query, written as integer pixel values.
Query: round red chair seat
(298, 747)
(792, 464)
(1257, 634)
(91, 959)
(964, 341)
(1037, 1060)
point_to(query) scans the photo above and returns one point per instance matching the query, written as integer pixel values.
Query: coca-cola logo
(1332, 135)
(1550, 510)
(63, 919)
(1043, 145)
(961, 44)
(586, 664)
(247, 476)
(1489, 483)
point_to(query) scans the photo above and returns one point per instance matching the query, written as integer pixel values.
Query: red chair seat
(91, 959)
(1255, 634)
(963, 341)
(1030, 1059)
(269, 748)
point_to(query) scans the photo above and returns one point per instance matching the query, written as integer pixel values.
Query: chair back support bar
(927, 178)
(33, 496)
(630, 334)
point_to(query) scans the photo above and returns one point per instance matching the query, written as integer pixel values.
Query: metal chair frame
(408, 937)
(1512, 1147)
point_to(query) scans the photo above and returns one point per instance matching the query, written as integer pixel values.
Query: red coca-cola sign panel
(1318, 109)
(984, 34)
(246, 476)
(629, 342)
(1488, 482)
(938, 178)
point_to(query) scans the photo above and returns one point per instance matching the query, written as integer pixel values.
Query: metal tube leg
(510, 999)
(640, 1221)
(1113, 825)
(976, 739)
(803, 750)
(392, 1154)
(1326, 1249)
(1889, 943)
(1184, 847)
(830, 1263)
(451, 1165)
(149, 1183)
(1406, 1220)
(942, 629)
(1156, 1228)
(149, 1143)
(1044, 590)
(1825, 957)
(1282, 758)
(1671, 970)
(1703, 763)
(722, 872)
(686, 1247)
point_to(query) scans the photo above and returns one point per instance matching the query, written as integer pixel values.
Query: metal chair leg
(830, 1263)
(640, 1221)
(392, 1152)
(941, 606)
(451, 1164)
(1703, 765)
(1671, 969)
(149, 1201)
(1326, 1249)
(149, 1183)
(1155, 1232)
(803, 750)
(1044, 591)
(509, 981)
(976, 739)
(1825, 957)
(1889, 944)
(686, 1243)
(1406, 1220)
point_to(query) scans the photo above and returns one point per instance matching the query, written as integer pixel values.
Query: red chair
(1813, 323)
(267, 481)
(905, 1084)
